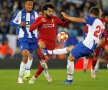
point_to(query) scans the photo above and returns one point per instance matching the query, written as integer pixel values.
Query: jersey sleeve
(62, 23)
(90, 20)
(35, 24)
(15, 19)
(36, 14)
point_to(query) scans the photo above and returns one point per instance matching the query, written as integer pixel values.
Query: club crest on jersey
(32, 17)
(23, 17)
(21, 47)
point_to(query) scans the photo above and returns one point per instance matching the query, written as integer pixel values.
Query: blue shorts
(80, 50)
(71, 41)
(30, 46)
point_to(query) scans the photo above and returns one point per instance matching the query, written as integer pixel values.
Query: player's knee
(71, 58)
(30, 56)
(46, 58)
(25, 55)
(41, 44)
(25, 59)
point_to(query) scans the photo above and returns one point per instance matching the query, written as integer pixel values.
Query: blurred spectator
(71, 30)
(72, 7)
(15, 6)
(5, 49)
(77, 8)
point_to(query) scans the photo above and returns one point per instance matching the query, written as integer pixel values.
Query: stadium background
(9, 52)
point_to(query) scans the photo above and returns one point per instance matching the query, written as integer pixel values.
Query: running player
(27, 40)
(47, 27)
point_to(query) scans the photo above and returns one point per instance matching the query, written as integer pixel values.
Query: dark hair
(94, 10)
(48, 5)
(27, 0)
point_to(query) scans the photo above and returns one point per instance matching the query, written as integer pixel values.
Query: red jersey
(85, 29)
(105, 31)
(48, 28)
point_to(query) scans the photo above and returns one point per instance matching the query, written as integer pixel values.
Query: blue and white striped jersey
(28, 18)
(95, 30)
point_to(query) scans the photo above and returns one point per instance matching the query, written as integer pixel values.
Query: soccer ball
(62, 37)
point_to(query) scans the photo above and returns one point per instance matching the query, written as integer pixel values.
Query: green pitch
(82, 81)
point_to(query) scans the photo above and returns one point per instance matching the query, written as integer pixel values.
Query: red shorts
(97, 51)
(50, 45)
(104, 44)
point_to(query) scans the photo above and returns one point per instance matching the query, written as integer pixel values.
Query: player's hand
(22, 24)
(64, 14)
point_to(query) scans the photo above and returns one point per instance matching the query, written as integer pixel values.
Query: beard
(48, 16)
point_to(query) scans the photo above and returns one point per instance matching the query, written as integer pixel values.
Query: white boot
(48, 77)
(93, 74)
(32, 80)
(20, 80)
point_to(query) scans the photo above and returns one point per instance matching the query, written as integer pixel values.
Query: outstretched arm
(36, 23)
(74, 19)
(62, 23)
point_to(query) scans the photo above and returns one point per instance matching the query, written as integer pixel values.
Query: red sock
(39, 70)
(106, 58)
(93, 64)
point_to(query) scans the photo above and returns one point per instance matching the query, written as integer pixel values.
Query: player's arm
(74, 19)
(36, 23)
(62, 23)
(15, 19)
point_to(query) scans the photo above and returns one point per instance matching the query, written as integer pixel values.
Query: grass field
(82, 81)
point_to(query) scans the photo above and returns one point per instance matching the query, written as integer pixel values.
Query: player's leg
(43, 55)
(93, 73)
(38, 72)
(70, 69)
(61, 51)
(106, 51)
(23, 65)
(27, 73)
(32, 47)
(97, 65)
(24, 50)
(94, 62)
(85, 63)
(76, 53)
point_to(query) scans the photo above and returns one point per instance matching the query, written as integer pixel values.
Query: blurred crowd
(77, 8)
